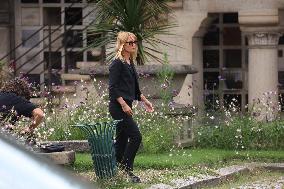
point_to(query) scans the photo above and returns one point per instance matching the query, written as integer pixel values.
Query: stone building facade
(236, 45)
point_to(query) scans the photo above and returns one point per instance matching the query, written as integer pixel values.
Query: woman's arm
(114, 79)
(124, 106)
(37, 117)
(148, 105)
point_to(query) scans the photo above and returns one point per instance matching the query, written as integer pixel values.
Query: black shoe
(134, 178)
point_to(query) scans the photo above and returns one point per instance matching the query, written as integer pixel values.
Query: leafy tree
(145, 18)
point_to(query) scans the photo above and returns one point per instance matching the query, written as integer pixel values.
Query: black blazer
(122, 82)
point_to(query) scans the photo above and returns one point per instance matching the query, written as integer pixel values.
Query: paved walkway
(277, 183)
(226, 173)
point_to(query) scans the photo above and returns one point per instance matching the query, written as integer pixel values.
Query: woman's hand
(26, 130)
(124, 106)
(127, 109)
(148, 106)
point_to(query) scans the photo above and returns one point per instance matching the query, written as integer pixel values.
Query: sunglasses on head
(132, 42)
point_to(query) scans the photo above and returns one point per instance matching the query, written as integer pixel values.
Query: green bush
(95, 109)
(165, 77)
(241, 132)
(158, 128)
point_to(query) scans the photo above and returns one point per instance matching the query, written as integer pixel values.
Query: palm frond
(144, 18)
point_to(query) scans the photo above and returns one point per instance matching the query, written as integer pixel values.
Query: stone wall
(189, 19)
(5, 41)
(5, 21)
(194, 12)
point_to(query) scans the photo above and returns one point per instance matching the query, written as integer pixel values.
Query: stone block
(60, 158)
(56, 39)
(30, 16)
(161, 186)
(231, 171)
(75, 77)
(4, 38)
(258, 17)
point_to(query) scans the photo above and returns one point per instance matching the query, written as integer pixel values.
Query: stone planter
(148, 80)
(60, 158)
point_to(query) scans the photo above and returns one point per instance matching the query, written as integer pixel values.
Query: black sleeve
(138, 93)
(114, 79)
(24, 107)
(137, 88)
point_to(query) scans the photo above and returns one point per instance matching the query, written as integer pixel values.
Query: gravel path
(276, 183)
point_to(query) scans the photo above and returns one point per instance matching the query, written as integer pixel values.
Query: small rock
(160, 186)
(184, 182)
(231, 170)
(60, 158)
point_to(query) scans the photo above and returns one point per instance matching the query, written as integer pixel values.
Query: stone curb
(206, 182)
(274, 166)
(60, 158)
(224, 174)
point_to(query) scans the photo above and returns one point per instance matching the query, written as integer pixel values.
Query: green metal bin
(100, 137)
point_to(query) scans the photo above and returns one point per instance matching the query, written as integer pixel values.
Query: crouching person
(14, 97)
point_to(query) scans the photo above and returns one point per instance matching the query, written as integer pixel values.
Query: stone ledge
(274, 166)
(259, 17)
(60, 158)
(42, 101)
(63, 89)
(228, 172)
(177, 4)
(161, 186)
(146, 69)
(73, 145)
(75, 77)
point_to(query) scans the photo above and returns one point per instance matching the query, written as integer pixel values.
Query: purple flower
(221, 78)
(175, 92)
(164, 86)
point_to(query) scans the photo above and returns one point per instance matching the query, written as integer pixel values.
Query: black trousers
(128, 136)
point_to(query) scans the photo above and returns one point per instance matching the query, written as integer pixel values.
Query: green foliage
(60, 122)
(158, 128)
(95, 109)
(145, 18)
(241, 132)
(167, 166)
(165, 77)
(187, 158)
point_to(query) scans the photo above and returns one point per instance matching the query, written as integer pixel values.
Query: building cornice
(260, 17)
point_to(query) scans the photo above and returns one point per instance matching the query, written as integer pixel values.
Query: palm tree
(145, 18)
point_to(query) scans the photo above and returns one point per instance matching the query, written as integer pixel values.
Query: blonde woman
(123, 90)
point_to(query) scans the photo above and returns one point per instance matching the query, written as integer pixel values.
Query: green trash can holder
(100, 137)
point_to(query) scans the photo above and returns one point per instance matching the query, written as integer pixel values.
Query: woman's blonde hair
(121, 39)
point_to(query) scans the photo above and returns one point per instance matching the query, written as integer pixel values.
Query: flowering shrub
(229, 129)
(225, 128)
(165, 77)
(158, 129)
